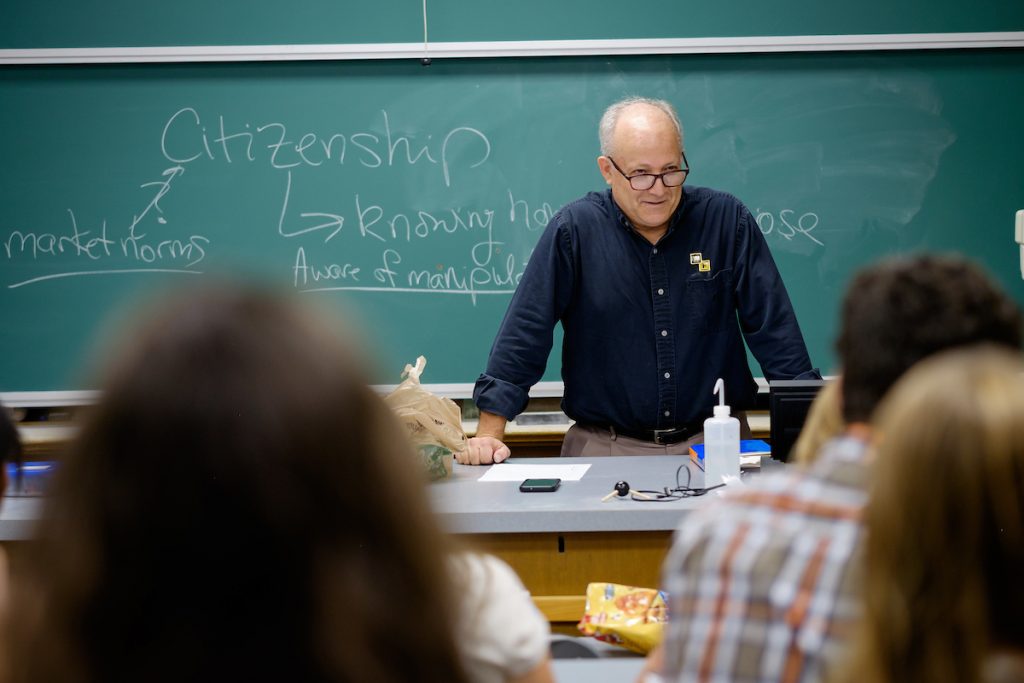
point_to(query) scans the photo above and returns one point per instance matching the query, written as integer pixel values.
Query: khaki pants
(590, 442)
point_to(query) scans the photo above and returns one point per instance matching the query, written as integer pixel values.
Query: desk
(18, 517)
(559, 542)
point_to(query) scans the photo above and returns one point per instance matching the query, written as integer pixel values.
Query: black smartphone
(540, 485)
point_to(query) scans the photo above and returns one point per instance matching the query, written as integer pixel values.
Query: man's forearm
(491, 425)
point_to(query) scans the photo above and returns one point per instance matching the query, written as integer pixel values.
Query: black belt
(661, 436)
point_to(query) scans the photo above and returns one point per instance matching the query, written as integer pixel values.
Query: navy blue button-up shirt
(648, 328)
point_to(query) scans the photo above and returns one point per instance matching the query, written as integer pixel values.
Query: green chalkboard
(411, 197)
(123, 23)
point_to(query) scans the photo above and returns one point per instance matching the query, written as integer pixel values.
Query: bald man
(657, 285)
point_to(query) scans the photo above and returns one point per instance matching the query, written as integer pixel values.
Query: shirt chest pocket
(709, 302)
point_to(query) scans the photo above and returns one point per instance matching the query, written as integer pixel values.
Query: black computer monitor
(788, 403)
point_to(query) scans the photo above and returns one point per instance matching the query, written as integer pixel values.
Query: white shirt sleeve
(501, 633)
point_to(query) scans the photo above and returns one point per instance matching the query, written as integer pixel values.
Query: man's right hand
(482, 450)
(487, 446)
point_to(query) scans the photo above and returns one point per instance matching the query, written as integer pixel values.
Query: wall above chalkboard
(113, 23)
(411, 198)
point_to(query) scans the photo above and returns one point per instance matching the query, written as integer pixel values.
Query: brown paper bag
(434, 423)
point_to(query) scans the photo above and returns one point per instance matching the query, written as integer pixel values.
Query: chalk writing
(374, 223)
(534, 220)
(344, 240)
(462, 280)
(186, 138)
(303, 273)
(789, 224)
(104, 244)
(36, 244)
(116, 271)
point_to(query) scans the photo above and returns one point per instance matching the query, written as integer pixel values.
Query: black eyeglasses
(645, 181)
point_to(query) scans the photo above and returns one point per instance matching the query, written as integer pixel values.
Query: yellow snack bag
(625, 615)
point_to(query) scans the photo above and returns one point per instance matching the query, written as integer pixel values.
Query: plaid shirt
(764, 584)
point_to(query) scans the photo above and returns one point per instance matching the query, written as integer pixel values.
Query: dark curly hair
(901, 310)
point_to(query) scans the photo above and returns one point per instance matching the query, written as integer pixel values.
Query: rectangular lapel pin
(705, 266)
(695, 259)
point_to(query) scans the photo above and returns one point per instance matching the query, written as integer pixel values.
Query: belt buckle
(657, 436)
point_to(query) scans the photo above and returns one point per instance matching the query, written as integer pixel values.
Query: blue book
(34, 479)
(748, 447)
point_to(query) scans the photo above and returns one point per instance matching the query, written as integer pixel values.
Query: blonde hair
(824, 421)
(945, 544)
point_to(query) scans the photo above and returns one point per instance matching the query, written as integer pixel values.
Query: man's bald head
(642, 112)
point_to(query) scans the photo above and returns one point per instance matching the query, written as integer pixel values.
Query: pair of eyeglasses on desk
(666, 494)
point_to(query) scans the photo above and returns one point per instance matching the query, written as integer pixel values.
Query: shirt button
(655, 250)
(664, 333)
(667, 375)
(667, 413)
(661, 291)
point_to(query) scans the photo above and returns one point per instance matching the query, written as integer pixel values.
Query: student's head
(239, 506)
(643, 136)
(902, 310)
(945, 543)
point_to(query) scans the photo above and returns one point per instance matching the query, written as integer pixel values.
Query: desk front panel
(556, 567)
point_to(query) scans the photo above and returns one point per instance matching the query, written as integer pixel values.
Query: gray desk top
(18, 518)
(473, 507)
(468, 506)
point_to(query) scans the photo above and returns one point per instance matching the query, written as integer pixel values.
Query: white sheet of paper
(748, 461)
(506, 472)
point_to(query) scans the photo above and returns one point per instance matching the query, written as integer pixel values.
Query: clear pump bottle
(721, 442)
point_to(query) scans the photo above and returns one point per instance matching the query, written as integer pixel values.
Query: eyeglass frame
(685, 170)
